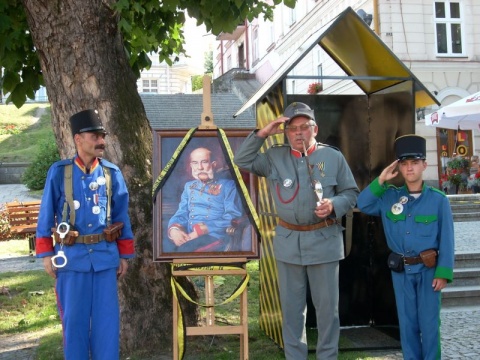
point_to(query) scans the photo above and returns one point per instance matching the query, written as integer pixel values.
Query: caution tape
(170, 165)
(177, 287)
(246, 194)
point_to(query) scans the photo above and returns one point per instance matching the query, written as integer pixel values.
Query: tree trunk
(84, 65)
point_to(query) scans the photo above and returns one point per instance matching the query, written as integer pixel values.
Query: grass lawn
(22, 130)
(27, 303)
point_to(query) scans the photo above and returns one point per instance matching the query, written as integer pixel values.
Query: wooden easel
(211, 328)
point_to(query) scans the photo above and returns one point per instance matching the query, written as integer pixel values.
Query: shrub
(4, 224)
(35, 175)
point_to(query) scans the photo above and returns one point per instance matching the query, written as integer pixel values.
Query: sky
(197, 42)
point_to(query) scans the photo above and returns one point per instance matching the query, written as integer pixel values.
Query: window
(448, 28)
(150, 86)
(255, 54)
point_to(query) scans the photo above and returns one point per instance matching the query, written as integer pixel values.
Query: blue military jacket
(214, 204)
(86, 195)
(424, 223)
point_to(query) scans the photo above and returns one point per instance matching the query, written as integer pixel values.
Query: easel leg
(209, 300)
(244, 323)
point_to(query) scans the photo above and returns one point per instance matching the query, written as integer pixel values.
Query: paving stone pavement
(460, 326)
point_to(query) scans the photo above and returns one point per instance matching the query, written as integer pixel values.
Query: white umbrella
(463, 114)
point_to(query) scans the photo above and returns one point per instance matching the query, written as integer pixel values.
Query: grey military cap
(296, 109)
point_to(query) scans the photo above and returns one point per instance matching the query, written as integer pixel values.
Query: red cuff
(125, 247)
(200, 229)
(43, 245)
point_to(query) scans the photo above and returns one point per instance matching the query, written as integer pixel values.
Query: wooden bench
(22, 218)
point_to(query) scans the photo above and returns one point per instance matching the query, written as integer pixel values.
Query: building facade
(439, 41)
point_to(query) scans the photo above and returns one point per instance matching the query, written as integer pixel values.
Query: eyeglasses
(302, 127)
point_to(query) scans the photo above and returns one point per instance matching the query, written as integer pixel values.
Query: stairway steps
(467, 260)
(466, 277)
(459, 217)
(460, 296)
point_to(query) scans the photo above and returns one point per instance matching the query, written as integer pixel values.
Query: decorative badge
(214, 189)
(403, 200)
(101, 180)
(397, 208)
(321, 168)
(93, 185)
(76, 204)
(287, 183)
(96, 210)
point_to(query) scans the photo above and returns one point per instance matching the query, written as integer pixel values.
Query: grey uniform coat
(295, 200)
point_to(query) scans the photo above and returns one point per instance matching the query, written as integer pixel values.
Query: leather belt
(414, 260)
(325, 223)
(90, 239)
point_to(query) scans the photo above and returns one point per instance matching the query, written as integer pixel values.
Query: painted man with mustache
(207, 207)
(88, 193)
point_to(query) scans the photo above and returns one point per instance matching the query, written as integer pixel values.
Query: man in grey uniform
(308, 242)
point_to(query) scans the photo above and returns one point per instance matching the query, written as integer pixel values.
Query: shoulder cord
(68, 184)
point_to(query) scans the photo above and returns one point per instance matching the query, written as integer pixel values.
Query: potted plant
(457, 173)
(315, 88)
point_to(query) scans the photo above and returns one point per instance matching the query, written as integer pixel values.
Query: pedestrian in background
(418, 225)
(85, 206)
(308, 242)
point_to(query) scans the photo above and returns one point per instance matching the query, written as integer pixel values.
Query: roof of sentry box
(359, 52)
(183, 111)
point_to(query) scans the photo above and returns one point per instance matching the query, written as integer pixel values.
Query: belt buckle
(90, 239)
(404, 260)
(326, 223)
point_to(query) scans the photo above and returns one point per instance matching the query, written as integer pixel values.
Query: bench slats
(23, 218)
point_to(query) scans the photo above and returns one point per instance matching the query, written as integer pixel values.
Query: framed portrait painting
(204, 206)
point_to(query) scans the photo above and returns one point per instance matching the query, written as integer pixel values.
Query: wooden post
(206, 121)
(211, 328)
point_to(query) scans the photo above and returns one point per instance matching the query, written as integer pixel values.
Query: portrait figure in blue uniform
(208, 205)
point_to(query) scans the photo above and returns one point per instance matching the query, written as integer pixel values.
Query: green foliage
(4, 223)
(197, 82)
(147, 26)
(208, 64)
(35, 175)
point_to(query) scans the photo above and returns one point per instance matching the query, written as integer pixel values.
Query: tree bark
(84, 66)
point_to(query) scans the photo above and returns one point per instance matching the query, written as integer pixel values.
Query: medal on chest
(321, 168)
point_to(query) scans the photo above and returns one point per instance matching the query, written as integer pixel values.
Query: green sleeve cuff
(376, 188)
(444, 273)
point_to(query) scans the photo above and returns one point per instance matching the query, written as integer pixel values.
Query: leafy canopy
(147, 26)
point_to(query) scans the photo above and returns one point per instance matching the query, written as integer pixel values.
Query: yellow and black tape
(171, 164)
(177, 288)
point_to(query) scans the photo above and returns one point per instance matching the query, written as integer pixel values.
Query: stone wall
(11, 173)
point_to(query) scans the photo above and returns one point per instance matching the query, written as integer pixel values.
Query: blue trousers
(418, 308)
(88, 307)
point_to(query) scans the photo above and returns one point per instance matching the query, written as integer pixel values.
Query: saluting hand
(388, 173)
(273, 127)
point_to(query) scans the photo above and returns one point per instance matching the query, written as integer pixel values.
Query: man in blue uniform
(418, 225)
(312, 187)
(206, 210)
(85, 206)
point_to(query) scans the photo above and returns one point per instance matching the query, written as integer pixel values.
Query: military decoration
(214, 189)
(403, 200)
(287, 183)
(397, 208)
(101, 180)
(321, 168)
